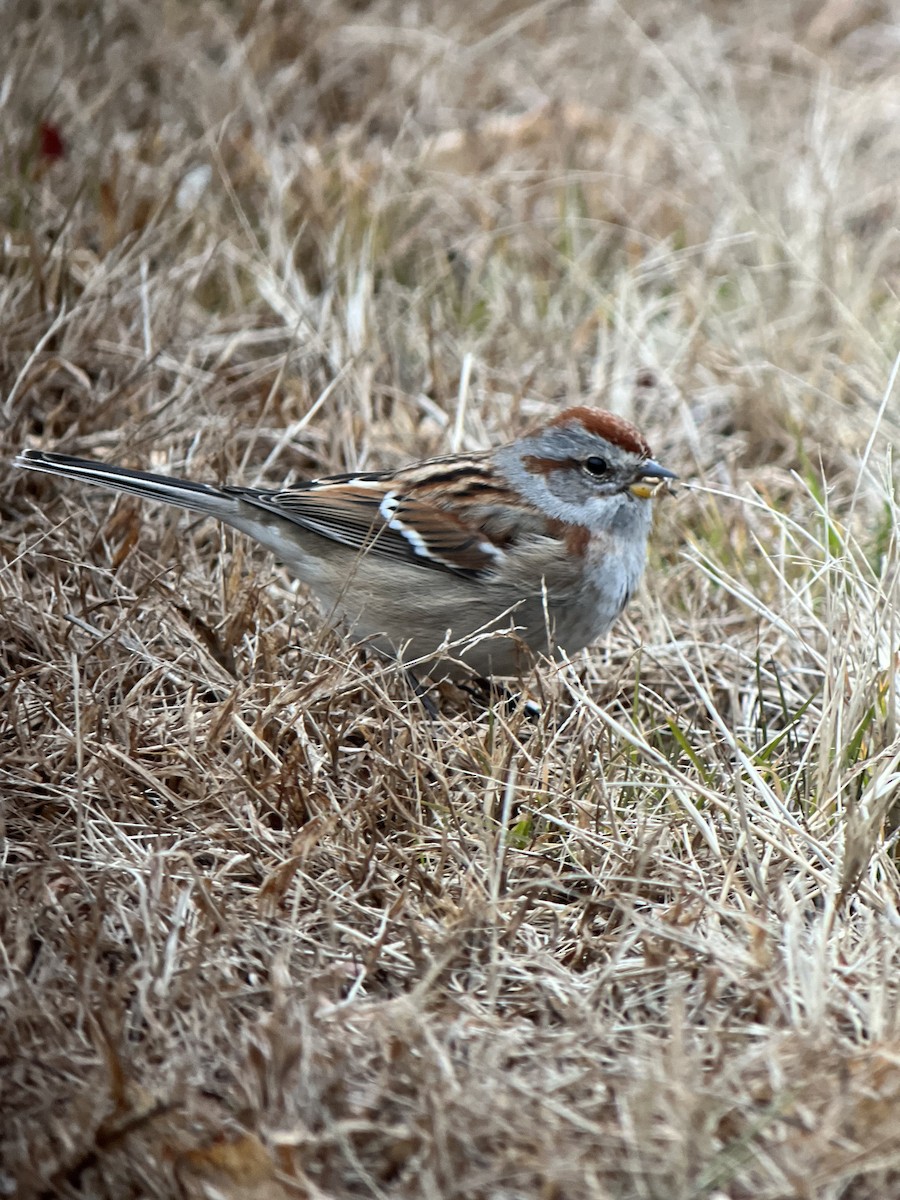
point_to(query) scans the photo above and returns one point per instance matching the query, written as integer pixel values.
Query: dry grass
(269, 932)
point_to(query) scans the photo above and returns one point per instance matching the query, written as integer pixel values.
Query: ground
(267, 928)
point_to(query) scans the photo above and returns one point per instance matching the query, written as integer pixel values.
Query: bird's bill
(651, 478)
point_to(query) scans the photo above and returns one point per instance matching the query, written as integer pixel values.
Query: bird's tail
(198, 497)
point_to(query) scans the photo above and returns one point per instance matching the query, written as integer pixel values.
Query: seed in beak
(651, 477)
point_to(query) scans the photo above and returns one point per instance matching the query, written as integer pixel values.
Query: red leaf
(52, 145)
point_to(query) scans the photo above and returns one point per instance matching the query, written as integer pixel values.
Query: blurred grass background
(266, 930)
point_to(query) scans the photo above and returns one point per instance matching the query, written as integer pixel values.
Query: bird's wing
(370, 515)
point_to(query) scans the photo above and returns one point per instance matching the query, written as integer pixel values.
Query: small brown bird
(538, 544)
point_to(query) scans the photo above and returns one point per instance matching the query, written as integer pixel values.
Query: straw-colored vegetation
(266, 929)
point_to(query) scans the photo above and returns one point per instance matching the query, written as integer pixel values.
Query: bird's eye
(596, 466)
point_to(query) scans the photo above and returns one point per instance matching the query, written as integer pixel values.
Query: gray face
(577, 476)
(577, 466)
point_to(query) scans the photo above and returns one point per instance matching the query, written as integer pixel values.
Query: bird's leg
(492, 691)
(431, 709)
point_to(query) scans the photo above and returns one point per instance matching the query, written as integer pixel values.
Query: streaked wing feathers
(365, 514)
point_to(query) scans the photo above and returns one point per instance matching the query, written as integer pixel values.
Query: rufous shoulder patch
(576, 537)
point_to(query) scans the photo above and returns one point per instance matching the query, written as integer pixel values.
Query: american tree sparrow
(536, 545)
